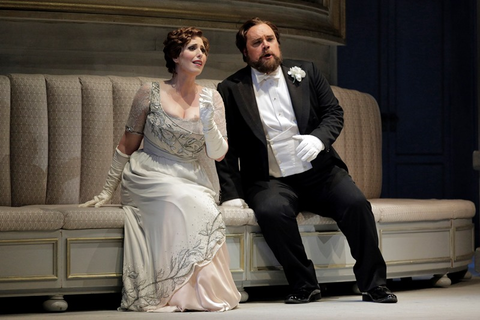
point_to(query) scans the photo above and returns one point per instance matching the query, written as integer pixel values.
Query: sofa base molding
(61, 262)
(64, 262)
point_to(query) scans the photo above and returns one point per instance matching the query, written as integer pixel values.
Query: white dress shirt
(279, 123)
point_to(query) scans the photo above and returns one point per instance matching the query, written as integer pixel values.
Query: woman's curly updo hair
(176, 41)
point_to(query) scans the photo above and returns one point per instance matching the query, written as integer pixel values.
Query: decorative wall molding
(318, 20)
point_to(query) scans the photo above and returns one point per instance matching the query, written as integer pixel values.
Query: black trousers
(330, 192)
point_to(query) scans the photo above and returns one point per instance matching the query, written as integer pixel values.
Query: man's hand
(309, 147)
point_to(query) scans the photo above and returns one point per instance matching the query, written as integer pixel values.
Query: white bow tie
(262, 77)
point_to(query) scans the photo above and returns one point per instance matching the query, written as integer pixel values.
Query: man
(282, 119)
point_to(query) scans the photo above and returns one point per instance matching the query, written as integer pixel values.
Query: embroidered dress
(175, 256)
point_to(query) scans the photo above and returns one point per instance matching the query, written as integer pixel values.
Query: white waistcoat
(279, 124)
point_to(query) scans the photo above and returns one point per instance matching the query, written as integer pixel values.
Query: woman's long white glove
(113, 180)
(215, 143)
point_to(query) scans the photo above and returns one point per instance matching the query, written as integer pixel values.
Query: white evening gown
(175, 255)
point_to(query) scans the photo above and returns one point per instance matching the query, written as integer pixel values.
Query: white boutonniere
(296, 73)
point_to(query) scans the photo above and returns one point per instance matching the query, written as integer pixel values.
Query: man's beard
(266, 66)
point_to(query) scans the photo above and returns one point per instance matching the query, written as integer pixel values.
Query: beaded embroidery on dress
(174, 233)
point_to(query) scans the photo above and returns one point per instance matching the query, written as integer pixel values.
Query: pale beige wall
(60, 47)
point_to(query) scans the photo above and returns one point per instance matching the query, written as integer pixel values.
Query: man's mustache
(267, 53)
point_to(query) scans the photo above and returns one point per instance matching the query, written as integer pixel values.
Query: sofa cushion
(108, 217)
(237, 216)
(360, 142)
(123, 90)
(28, 139)
(405, 210)
(75, 217)
(97, 134)
(308, 218)
(409, 210)
(64, 95)
(112, 216)
(72, 217)
(5, 195)
(30, 218)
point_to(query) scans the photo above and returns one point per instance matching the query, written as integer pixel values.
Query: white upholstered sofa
(57, 136)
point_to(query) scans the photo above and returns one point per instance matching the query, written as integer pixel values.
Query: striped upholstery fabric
(97, 134)
(5, 183)
(64, 96)
(58, 135)
(362, 132)
(29, 139)
(409, 210)
(30, 218)
(124, 90)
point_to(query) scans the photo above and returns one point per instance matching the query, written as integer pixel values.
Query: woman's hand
(206, 109)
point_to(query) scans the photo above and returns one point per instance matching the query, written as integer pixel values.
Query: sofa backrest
(360, 142)
(58, 134)
(5, 188)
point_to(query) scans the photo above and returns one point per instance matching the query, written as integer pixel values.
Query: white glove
(206, 109)
(238, 203)
(113, 180)
(309, 147)
(215, 143)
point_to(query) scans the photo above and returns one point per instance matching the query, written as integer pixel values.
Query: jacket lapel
(247, 103)
(299, 93)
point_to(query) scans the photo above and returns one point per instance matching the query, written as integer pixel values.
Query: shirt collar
(260, 77)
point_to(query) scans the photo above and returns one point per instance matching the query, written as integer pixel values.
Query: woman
(175, 256)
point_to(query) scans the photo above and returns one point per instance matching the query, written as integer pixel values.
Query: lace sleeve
(138, 112)
(219, 113)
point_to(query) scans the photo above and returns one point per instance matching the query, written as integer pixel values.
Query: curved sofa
(57, 136)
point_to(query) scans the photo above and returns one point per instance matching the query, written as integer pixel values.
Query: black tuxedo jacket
(317, 112)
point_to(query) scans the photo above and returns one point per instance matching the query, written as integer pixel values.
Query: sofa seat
(72, 217)
(412, 210)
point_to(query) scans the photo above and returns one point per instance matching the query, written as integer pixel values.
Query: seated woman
(175, 255)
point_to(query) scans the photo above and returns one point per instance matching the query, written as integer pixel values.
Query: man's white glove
(215, 143)
(113, 180)
(238, 203)
(309, 147)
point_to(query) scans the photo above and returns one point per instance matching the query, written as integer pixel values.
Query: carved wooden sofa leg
(55, 304)
(244, 294)
(441, 280)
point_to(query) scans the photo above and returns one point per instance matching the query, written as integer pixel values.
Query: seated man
(282, 119)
